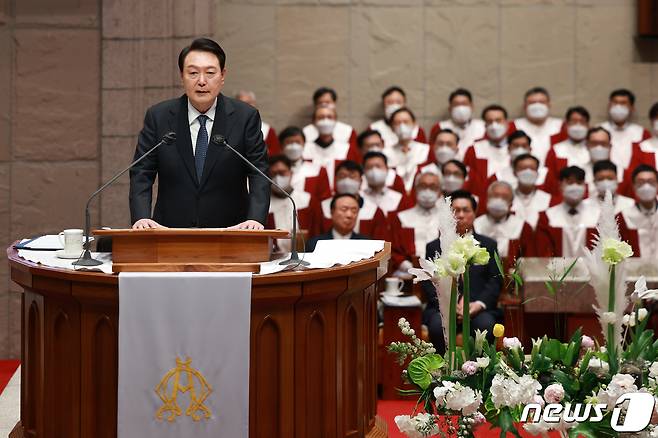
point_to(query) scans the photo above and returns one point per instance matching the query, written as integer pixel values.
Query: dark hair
(365, 134)
(448, 131)
(202, 45)
(404, 109)
(525, 157)
(577, 110)
(463, 194)
(322, 91)
(493, 107)
(457, 163)
(290, 131)
(518, 134)
(572, 171)
(623, 92)
(374, 154)
(280, 158)
(349, 165)
(653, 112)
(536, 90)
(342, 195)
(643, 168)
(460, 92)
(393, 89)
(604, 165)
(595, 129)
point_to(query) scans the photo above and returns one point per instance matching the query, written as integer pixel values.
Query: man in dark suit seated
(485, 280)
(344, 214)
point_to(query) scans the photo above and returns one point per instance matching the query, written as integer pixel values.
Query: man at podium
(200, 183)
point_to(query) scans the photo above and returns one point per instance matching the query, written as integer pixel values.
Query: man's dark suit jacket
(221, 198)
(485, 279)
(310, 244)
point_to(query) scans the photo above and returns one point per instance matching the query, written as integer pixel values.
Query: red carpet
(388, 409)
(7, 369)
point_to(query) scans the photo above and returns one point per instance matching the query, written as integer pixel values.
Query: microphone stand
(87, 259)
(294, 255)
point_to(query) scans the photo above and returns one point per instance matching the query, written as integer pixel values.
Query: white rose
(653, 370)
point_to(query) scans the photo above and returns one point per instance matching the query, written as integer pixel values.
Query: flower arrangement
(579, 379)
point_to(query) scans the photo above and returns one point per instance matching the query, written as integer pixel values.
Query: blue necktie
(201, 146)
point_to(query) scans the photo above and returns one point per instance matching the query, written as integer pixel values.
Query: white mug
(394, 285)
(72, 241)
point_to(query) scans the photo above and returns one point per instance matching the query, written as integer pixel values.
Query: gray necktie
(201, 146)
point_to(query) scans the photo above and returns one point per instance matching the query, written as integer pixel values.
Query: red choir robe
(271, 140)
(280, 215)
(647, 153)
(311, 178)
(640, 230)
(390, 138)
(540, 135)
(406, 165)
(411, 230)
(528, 207)
(388, 200)
(393, 181)
(512, 234)
(483, 159)
(469, 134)
(342, 133)
(330, 156)
(560, 234)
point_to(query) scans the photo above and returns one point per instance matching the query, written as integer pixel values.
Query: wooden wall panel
(32, 378)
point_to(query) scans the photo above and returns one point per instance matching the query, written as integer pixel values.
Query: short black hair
(202, 45)
(643, 168)
(596, 129)
(374, 154)
(604, 165)
(464, 194)
(349, 165)
(457, 163)
(536, 90)
(393, 89)
(322, 91)
(572, 171)
(404, 109)
(525, 157)
(460, 92)
(290, 131)
(337, 196)
(365, 134)
(280, 158)
(518, 134)
(448, 131)
(578, 109)
(653, 111)
(623, 92)
(493, 107)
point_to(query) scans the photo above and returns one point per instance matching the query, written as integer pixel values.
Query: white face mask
(376, 177)
(606, 185)
(599, 153)
(497, 207)
(293, 151)
(347, 185)
(390, 109)
(427, 198)
(537, 110)
(444, 154)
(655, 127)
(577, 132)
(283, 181)
(646, 192)
(404, 131)
(517, 152)
(574, 192)
(496, 131)
(527, 177)
(450, 183)
(619, 113)
(461, 114)
(325, 126)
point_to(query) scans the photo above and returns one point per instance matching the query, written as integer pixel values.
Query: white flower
(554, 393)
(441, 391)
(653, 370)
(587, 342)
(642, 293)
(470, 367)
(608, 318)
(480, 337)
(629, 319)
(513, 391)
(420, 426)
(598, 364)
(620, 384)
(539, 428)
(455, 264)
(428, 268)
(614, 251)
(482, 362)
(512, 343)
(463, 398)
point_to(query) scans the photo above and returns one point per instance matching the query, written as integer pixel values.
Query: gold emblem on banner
(183, 379)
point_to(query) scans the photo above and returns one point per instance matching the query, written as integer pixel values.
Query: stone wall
(579, 49)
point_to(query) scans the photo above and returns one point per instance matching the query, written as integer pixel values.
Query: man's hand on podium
(143, 224)
(248, 225)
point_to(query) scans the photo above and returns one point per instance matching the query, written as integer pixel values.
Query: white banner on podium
(184, 355)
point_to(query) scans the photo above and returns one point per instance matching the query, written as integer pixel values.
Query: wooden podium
(313, 343)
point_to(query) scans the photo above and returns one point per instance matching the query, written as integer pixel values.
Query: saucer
(68, 255)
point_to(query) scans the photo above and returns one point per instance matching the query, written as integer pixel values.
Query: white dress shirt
(193, 118)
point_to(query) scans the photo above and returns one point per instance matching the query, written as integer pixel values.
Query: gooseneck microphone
(294, 256)
(86, 259)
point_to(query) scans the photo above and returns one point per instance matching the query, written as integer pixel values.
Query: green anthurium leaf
(420, 369)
